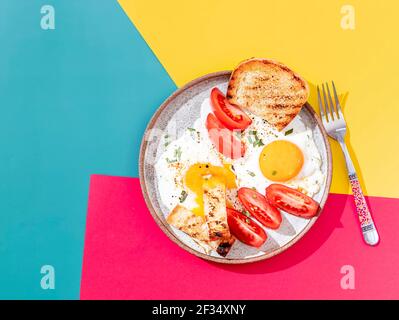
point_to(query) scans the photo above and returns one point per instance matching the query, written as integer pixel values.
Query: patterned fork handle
(370, 234)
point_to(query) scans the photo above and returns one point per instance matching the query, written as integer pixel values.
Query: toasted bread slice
(268, 89)
(196, 227)
(223, 247)
(215, 209)
(190, 223)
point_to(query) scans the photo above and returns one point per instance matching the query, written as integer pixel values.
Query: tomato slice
(291, 201)
(258, 206)
(244, 229)
(232, 116)
(223, 139)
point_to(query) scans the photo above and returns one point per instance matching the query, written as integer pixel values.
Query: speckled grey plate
(183, 107)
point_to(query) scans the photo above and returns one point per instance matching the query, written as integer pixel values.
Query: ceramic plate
(182, 108)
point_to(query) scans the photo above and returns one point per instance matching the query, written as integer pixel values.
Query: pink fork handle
(360, 202)
(366, 221)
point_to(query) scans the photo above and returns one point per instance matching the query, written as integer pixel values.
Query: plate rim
(166, 229)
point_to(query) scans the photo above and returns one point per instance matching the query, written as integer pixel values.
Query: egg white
(195, 146)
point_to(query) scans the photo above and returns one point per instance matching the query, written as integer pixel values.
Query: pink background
(127, 256)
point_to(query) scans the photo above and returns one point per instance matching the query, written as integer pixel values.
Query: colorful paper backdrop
(75, 102)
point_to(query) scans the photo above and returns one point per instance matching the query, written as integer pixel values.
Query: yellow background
(192, 38)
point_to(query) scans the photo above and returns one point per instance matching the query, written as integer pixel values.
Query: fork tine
(332, 109)
(325, 102)
(337, 104)
(320, 103)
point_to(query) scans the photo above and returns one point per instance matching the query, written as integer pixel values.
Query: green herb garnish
(289, 132)
(251, 173)
(171, 160)
(254, 139)
(183, 196)
(247, 220)
(194, 133)
(167, 142)
(178, 153)
(259, 143)
(274, 172)
(246, 213)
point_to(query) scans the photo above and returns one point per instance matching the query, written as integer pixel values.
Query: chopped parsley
(177, 155)
(247, 220)
(171, 160)
(167, 142)
(194, 134)
(183, 196)
(274, 172)
(254, 139)
(246, 213)
(288, 132)
(251, 173)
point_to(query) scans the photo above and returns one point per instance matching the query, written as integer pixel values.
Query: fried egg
(289, 157)
(280, 160)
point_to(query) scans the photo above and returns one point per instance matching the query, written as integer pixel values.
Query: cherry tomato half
(244, 229)
(223, 139)
(258, 206)
(232, 116)
(291, 201)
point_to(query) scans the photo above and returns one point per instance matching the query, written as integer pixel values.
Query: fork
(335, 125)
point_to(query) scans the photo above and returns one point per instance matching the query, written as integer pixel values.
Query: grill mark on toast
(254, 83)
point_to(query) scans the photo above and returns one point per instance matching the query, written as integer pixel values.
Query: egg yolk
(280, 160)
(199, 173)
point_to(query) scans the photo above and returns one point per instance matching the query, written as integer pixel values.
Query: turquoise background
(74, 102)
